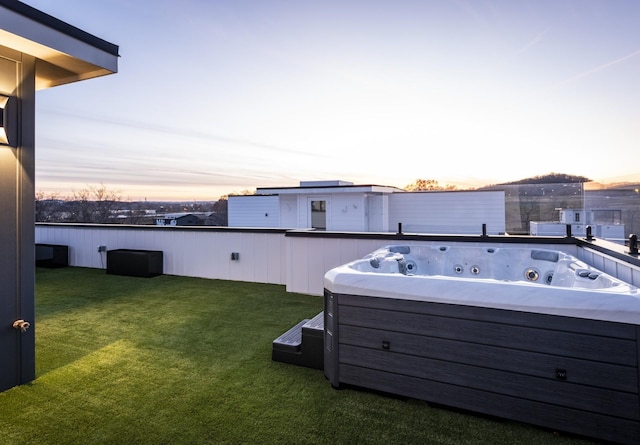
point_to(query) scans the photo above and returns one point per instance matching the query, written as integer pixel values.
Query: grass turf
(177, 360)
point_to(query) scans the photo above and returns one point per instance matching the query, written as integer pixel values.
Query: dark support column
(26, 209)
(17, 257)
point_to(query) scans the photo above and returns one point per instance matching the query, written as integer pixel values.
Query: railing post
(589, 234)
(633, 244)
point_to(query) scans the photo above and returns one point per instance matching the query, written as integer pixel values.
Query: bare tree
(48, 207)
(428, 184)
(93, 204)
(81, 206)
(105, 201)
(220, 214)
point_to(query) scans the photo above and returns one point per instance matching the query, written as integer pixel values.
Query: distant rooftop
(327, 186)
(334, 183)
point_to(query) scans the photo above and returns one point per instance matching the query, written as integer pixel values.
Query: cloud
(596, 69)
(181, 132)
(537, 39)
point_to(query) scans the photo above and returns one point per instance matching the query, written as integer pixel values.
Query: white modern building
(345, 207)
(605, 224)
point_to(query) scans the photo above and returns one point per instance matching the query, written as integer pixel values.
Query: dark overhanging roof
(59, 25)
(63, 53)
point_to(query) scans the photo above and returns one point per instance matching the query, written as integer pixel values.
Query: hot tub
(532, 280)
(534, 335)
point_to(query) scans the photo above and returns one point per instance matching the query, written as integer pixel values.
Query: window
(319, 214)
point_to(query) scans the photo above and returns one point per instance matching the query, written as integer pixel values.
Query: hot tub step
(302, 345)
(290, 341)
(315, 326)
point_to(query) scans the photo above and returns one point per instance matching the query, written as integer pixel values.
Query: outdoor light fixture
(5, 121)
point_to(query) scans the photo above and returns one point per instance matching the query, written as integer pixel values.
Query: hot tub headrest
(545, 255)
(399, 249)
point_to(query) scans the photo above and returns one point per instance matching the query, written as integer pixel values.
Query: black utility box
(135, 263)
(52, 255)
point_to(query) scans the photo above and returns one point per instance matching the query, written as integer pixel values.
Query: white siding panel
(260, 259)
(310, 258)
(348, 212)
(448, 212)
(316, 265)
(302, 212)
(247, 263)
(275, 247)
(289, 212)
(219, 258)
(297, 264)
(254, 211)
(378, 213)
(626, 272)
(236, 243)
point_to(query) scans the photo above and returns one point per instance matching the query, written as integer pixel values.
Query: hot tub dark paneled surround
(569, 374)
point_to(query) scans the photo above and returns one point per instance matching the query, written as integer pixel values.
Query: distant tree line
(100, 205)
(551, 178)
(420, 185)
(94, 204)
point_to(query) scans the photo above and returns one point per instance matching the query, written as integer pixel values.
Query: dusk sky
(215, 96)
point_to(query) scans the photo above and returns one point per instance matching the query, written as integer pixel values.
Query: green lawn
(176, 360)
